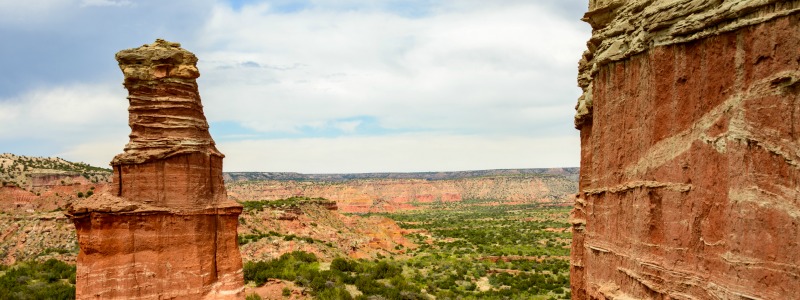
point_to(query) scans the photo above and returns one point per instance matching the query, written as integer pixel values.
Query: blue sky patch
(285, 7)
(353, 126)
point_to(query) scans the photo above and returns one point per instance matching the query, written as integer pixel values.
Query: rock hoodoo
(165, 229)
(690, 160)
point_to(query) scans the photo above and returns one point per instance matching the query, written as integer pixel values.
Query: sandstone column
(690, 151)
(166, 229)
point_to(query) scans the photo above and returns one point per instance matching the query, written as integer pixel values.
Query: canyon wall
(386, 195)
(165, 228)
(690, 151)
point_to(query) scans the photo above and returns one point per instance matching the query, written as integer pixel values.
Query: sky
(316, 86)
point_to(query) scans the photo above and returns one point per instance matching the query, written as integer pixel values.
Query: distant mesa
(387, 192)
(250, 176)
(165, 228)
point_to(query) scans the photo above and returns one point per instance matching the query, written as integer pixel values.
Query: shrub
(343, 265)
(34, 280)
(334, 294)
(253, 296)
(288, 267)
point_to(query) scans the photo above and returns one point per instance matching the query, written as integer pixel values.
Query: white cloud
(96, 152)
(67, 115)
(400, 153)
(468, 78)
(471, 68)
(32, 11)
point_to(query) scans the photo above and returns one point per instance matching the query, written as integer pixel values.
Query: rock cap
(161, 59)
(165, 114)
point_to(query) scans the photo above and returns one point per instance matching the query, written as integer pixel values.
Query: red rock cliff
(690, 161)
(382, 195)
(166, 228)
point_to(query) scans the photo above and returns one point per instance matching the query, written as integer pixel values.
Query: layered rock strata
(385, 195)
(690, 159)
(165, 229)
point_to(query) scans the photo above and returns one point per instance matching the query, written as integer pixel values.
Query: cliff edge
(690, 151)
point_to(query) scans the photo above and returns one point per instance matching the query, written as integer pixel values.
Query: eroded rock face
(387, 195)
(343, 235)
(690, 160)
(165, 229)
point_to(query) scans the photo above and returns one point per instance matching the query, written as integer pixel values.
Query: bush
(33, 280)
(334, 294)
(343, 265)
(385, 270)
(253, 296)
(288, 267)
(291, 202)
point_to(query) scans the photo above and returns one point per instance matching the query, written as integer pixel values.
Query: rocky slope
(33, 194)
(320, 229)
(19, 201)
(164, 228)
(39, 236)
(37, 173)
(689, 164)
(382, 195)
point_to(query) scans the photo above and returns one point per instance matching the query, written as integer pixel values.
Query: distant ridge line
(570, 172)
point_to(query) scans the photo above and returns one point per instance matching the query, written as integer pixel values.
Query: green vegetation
(243, 239)
(303, 269)
(380, 278)
(253, 297)
(51, 279)
(466, 251)
(505, 230)
(292, 202)
(474, 250)
(59, 250)
(28, 162)
(247, 238)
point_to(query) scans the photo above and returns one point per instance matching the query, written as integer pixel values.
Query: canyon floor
(472, 250)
